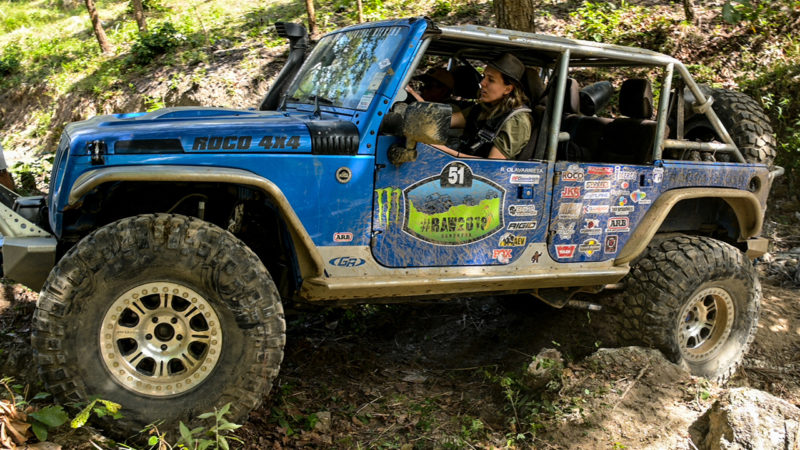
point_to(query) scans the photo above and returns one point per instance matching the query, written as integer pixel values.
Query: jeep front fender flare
(308, 258)
(745, 205)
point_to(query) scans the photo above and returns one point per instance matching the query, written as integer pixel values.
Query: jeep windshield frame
(560, 54)
(346, 69)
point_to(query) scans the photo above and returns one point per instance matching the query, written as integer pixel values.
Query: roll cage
(556, 55)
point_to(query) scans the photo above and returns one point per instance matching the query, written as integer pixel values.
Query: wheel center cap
(164, 332)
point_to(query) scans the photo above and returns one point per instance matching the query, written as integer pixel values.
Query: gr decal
(347, 261)
(569, 210)
(571, 192)
(597, 185)
(519, 178)
(389, 200)
(565, 251)
(591, 226)
(225, 143)
(611, 244)
(574, 173)
(522, 210)
(521, 226)
(454, 208)
(535, 257)
(565, 230)
(619, 224)
(589, 246)
(502, 255)
(600, 170)
(342, 237)
(511, 240)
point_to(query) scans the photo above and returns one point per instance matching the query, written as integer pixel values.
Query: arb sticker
(342, 237)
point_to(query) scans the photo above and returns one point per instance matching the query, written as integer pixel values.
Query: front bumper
(29, 252)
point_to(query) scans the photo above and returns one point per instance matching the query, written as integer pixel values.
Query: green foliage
(442, 8)
(10, 59)
(162, 38)
(600, 20)
(100, 407)
(216, 437)
(762, 16)
(780, 95)
(46, 418)
(609, 22)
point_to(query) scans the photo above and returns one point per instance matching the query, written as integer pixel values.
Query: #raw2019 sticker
(454, 208)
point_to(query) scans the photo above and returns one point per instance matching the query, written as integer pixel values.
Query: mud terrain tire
(745, 121)
(697, 300)
(167, 315)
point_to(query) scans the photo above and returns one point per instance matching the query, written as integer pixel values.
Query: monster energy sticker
(468, 210)
(388, 202)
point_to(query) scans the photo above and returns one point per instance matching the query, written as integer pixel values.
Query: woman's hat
(509, 65)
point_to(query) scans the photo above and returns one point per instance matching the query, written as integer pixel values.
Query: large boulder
(745, 418)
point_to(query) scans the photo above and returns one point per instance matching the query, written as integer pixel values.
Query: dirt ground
(450, 375)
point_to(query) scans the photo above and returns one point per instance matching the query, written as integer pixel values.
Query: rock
(323, 424)
(629, 361)
(546, 366)
(747, 419)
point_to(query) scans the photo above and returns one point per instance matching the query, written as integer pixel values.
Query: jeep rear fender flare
(745, 205)
(308, 258)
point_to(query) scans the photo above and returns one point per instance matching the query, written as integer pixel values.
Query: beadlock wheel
(167, 315)
(160, 339)
(705, 324)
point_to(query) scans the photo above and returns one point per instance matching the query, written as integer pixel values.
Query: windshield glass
(346, 69)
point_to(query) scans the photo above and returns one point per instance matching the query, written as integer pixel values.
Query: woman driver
(499, 126)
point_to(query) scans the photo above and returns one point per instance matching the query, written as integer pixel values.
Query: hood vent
(333, 137)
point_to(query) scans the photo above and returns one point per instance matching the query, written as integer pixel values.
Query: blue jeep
(170, 240)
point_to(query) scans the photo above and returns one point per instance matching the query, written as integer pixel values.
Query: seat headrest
(467, 81)
(572, 104)
(534, 87)
(636, 99)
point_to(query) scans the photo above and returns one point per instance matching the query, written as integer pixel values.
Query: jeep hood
(212, 130)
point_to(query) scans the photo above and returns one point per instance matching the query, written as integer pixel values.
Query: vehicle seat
(467, 81)
(629, 140)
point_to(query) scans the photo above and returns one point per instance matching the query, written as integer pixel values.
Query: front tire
(167, 315)
(697, 300)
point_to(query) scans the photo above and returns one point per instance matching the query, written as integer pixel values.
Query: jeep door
(442, 211)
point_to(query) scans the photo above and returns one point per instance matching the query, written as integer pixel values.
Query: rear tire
(697, 300)
(167, 315)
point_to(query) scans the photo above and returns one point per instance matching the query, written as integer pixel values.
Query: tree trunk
(516, 14)
(312, 18)
(138, 14)
(105, 46)
(688, 9)
(360, 11)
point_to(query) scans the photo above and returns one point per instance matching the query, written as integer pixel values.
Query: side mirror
(421, 122)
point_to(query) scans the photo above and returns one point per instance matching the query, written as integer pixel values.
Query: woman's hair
(517, 96)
